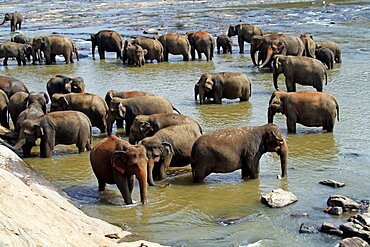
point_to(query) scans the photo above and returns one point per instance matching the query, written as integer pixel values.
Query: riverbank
(35, 213)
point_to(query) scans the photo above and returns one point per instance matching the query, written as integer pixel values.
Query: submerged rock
(308, 229)
(278, 198)
(332, 183)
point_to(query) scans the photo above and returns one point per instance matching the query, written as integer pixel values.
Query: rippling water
(225, 210)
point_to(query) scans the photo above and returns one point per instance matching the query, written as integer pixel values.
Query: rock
(332, 183)
(334, 210)
(297, 215)
(330, 229)
(278, 198)
(353, 242)
(344, 202)
(151, 31)
(308, 229)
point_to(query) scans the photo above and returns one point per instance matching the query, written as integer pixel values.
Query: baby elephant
(326, 56)
(227, 85)
(21, 52)
(136, 55)
(312, 109)
(225, 42)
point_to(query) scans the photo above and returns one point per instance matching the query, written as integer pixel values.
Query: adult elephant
(136, 55)
(170, 146)
(176, 44)
(106, 41)
(11, 85)
(67, 127)
(229, 85)
(202, 42)
(334, 47)
(64, 84)
(128, 109)
(92, 105)
(115, 161)
(312, 109)
(245, 32)
(21, 38)
(303, 70)
(147, 125)
(4, 102)
(309, 45)
(15, 19)
(51, 46)
(227, 150)
(21, 52)
(154, 48)
(124, 94)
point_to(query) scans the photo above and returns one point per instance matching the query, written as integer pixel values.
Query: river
(185, 214)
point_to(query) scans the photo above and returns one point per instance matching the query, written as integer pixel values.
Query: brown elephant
(227, 85)
(64, 84)
(225, 42)
(115, 161)
(258, 43)
(326, 56)
(106, 41)
(208, 96)
(21, 52)
(124, 95)
(67, 127)
(309, 45)
(136, 55)
(21, 38)
(154, 48)
(202, 42)
(15, 19)
(4, 102)
(312, 109)
(51, 46)
(92, 105)
(227, 150)
(245, 32)
(170, 146)
(303, 70)
(147, 125)
(11, 85)
(334, 47)
(176, 44)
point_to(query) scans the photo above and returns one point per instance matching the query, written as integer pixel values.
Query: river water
(225, 210)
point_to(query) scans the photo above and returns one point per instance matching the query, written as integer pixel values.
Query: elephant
(258, 43)
(326, 56)
(106, 41)
(15, 50)
(202, 42)
(64, 84)
(207, 95)
(147, 125)
(303, 70)
(154, 48)
(124, 95)
(33, 110)
(11, 85)
(21, 38)
(225, 42)
(245, 32)
(51, 46)
(92, 105)
(115, 161)
(334, 47)
(75, 51)
(312, 109)
(229, 85)
(176, 44)
(309, 45)
(227, 150)
(128, 109)
(15, 19)
(170, 146)
(4, 102)
(136, 55)
(67, 127)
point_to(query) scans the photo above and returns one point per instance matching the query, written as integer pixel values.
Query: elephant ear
(277, 48)
(271, 141)
(167, 148)
(121, 110)
(146, 127)
(118, 161)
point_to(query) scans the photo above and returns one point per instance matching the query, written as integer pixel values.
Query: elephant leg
(290, 86)
(218, 49)
(200, 55)
(47, 59)
(119, 123)
(26, 148)
(3, 119)
(88, 146)
(131, 183)
(122, 184)
(5, 62)
(199, 175)
(45, 149)
(192, 51)
(166, 56)
(24, 62)
(101, 185)
(251, 169)
(291, 125)
(101, 53)
(19, 61)
(185, 56)
(241, 44)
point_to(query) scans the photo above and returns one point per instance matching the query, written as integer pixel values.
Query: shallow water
(225, 210)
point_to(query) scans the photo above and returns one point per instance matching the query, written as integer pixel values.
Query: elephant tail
(250, 89)
(337, 107)
(326, 78)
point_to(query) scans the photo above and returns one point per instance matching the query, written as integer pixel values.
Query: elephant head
(77, 85)
(276, 104)
(256, 45)
(206, 84)
(233, 30)
(38, 43)
(309, 45)
(273, 47)
(140, 130)
(59, 103)
(278, 67)
(7, 17)
(116, 111)
(42, 98)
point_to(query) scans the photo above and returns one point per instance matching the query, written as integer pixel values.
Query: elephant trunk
(268, 57)
(270, 115)
(143, 186)
(3, 21)
(275, 79)
(283, 152)
(150, 172)
(17, 146)
(253, 55)
(110, 120)
(93, 51)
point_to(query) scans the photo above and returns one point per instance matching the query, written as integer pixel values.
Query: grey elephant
(106, 41)
(303, 70)
(15, 50)
(147, 125)
(136, 55)
(224, 42)
(227, 85)
(334, 47)
(170, 146)
(64, 84)
(11, 85)
(51, 46)
(245, 32)
(124, 94)
(202, 42)
(208, 96)
(176, 44)
(21, 38)
(258, 45)
(312, 109)
(326, 56)
(154, 48)
(4, 102)
(309, 45)
(67, 127)
(15, 19)
(227, 150)
(92, 105)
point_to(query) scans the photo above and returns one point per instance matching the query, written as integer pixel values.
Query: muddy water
(225, 210)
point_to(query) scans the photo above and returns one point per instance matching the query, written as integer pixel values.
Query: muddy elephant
(334, 47)
(176, 44)
(136, 55)
(15, 19)
(64, 84)
(128, 109)
(51, 46)
(21, 52)
(92, 105)
(311, 109)
(229, 85)
(245, 32)
(115, 161)
(21, 38)
(309, 45)
(67, 127)
(4, 102)
(147, 125)
(170, 146)
(326, 56)
(303, 70)
(224, 42)
(124, 95)
(227, 150)
(11, 85)
(106, 41)
(202, 42)
(154, 48)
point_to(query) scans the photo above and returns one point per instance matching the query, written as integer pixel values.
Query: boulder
(278, 198)
(308, 229)
(334, 210)
(344, 202)
(330, 229)
(358, 226)
(353, 242)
